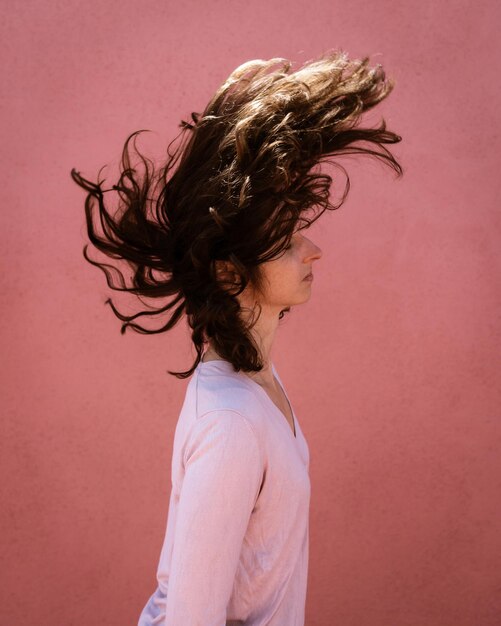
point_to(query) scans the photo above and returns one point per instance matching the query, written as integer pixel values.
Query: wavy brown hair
(246, 179)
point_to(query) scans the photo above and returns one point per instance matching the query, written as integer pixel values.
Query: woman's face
(284, 278)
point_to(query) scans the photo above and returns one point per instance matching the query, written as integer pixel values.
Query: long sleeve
(223, 471)
(235, 547)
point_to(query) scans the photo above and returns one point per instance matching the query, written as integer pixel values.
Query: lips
(308, 276)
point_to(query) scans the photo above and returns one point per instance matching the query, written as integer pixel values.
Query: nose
(315, 252)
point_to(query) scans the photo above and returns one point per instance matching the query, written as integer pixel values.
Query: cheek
(281, 276)
(273, 277)
(284, 277)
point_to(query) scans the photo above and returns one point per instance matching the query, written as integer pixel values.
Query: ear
(226, 273)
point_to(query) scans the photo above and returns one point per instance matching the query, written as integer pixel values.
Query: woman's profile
(218, 234)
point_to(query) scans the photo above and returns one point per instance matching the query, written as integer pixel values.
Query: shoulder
(221, 405)
(223, 390)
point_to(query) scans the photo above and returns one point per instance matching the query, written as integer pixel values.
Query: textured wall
(392, 366)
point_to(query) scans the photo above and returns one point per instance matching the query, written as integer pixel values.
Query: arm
(223, 473)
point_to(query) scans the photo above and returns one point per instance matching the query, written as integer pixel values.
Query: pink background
(392, 366)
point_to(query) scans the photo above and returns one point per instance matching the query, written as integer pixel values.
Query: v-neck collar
(229, 367)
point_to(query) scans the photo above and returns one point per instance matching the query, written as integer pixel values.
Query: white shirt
(236, 544)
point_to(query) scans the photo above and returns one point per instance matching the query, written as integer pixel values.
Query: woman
(222, 237)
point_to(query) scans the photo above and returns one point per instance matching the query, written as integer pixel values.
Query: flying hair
(244, 176)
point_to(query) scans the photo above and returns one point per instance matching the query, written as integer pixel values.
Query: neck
(263, 334)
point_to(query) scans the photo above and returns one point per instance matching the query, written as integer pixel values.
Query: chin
(301, 299)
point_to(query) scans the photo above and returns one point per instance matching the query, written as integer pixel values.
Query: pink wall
(393, 365)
